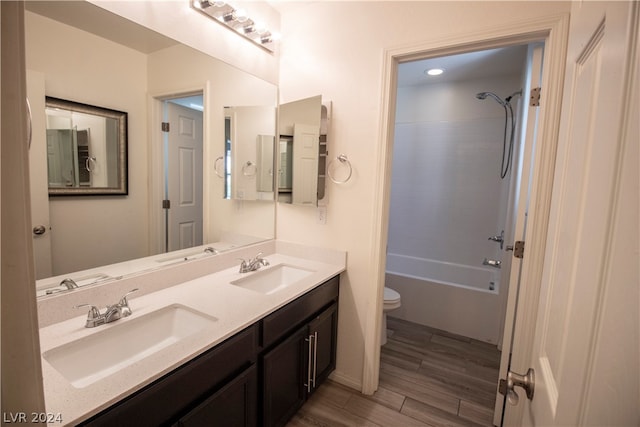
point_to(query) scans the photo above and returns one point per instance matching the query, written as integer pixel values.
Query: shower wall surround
(447, 198)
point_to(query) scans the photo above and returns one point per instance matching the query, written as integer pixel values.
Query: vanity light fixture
(238, 21)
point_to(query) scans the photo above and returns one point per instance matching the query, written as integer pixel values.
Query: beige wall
(336, 49)
(115, 227)
(176, 19)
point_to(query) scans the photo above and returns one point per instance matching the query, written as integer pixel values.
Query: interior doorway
(183, 171)
(457, 187)
(456, 160)
(553, 33)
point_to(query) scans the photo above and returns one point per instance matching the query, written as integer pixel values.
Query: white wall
(447, 196)
(176, 19)
(336, 49)
(114, 227)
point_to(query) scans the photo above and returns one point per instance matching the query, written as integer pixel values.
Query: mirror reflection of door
(42, 232)
(305, 164)
(183, 172)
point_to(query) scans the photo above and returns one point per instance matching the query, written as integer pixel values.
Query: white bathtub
(452, 297)
(478, 278)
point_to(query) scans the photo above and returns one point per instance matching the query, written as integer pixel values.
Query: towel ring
(249, 168)
(88, 162)
(342, 158)
(215, 166)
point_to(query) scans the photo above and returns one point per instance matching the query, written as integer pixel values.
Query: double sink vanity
(197, 343)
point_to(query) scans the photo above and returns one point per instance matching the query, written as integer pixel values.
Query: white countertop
(234, 307)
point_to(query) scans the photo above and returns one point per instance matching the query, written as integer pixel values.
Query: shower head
(483, 95)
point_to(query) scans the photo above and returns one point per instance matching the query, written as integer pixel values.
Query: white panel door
(38, 176)
(585, 240)
(306, 144)
(184, 177)
(516, 223)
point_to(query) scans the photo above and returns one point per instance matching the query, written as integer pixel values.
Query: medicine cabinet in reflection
(86, 149)
(302, 151)
(248, 162)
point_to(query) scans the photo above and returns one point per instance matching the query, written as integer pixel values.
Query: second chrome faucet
(252, 264)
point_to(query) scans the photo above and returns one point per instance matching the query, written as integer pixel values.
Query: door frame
(157, 230)
(553, 31)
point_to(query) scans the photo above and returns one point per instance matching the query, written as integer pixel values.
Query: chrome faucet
(492, 263)
(112, 313)
(68, 283)
(499, 239)
(210, 250)
(252, 264)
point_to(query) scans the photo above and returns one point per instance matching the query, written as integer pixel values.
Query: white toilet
(391, 302)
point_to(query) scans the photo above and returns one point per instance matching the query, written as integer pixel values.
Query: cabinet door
(324, 330)
(285, 377)
(236, 404)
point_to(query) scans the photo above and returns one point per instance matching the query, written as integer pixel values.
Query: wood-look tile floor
(428, 377)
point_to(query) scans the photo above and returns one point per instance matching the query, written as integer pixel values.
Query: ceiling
(466, 66)
(95, 20)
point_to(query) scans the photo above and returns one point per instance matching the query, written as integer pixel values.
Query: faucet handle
(93, 313)
(123, 300)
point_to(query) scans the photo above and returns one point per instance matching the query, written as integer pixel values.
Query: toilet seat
(391, 299)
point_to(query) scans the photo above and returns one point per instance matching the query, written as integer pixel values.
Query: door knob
(526, 381)
(39, 230)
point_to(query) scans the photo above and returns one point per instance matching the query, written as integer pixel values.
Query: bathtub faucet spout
(492, 262)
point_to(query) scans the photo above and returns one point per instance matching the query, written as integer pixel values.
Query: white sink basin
(273, 279)
(89, 359)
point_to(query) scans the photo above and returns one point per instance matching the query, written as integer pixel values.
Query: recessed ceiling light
(434, 71)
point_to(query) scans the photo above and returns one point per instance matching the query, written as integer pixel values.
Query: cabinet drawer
(172, 395)
(291, 316)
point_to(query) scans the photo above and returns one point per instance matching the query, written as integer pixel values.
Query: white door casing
(184, 177)
(586, 369)
(552, 31)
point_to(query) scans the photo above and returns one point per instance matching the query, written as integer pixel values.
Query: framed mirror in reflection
(86, 149)
(110, 61)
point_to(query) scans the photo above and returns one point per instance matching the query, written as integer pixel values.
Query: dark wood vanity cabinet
(233, 405)
(294, 368)
(168, 399)
(260, 376)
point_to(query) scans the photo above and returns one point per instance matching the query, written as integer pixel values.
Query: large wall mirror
(78, 51)
(86, 149)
